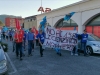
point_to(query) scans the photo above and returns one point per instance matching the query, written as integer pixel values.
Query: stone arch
(62, 19)
(55, 25)
(91, 18)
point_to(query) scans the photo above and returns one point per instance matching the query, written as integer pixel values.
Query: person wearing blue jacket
(30, 39)
(84, 41)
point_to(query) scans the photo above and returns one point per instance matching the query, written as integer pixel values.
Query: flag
(68, 16)
(44, 19)
(35, 31)
(18, 27)
(5, 29)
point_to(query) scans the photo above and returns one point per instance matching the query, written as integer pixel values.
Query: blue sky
(27, 8)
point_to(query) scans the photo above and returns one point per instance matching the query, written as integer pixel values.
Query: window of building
(73, 23)
(94, 22)
(69, 23)
(66, 23)
(30, 19)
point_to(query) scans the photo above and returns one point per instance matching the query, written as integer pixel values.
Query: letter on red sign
(41, 9)
(47, 9)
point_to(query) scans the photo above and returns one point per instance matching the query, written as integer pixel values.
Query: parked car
(3, 62)
(93, 44)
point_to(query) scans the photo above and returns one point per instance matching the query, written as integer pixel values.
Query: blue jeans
(30, 44)
(77, 46)
(83, 47)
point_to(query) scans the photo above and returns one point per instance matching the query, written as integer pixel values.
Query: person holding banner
(75, 50)
(84, 42)
(41, 38)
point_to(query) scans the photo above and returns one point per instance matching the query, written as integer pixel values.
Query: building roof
(30, 17)
(80, 2)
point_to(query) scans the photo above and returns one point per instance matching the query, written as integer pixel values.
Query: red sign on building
(44, 10)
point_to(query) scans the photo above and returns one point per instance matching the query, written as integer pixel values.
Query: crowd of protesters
(22, 38)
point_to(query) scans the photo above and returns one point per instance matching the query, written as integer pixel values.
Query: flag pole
(41, 6)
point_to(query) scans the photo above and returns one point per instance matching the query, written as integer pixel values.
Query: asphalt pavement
(52, 64)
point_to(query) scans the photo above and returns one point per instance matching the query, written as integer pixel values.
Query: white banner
(63, 39)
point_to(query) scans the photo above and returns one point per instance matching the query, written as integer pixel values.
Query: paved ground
(52, 64)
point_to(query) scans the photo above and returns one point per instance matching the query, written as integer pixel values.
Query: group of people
(8, 34)
(22, 38)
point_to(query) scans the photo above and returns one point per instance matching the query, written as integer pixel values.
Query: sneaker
(76, 54)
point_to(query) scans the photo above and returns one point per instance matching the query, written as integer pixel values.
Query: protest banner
(63, 39)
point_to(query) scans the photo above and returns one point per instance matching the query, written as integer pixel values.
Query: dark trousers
(14, 45)
(24, 43)
(19, 49)
(10, 38)
(33, 46)
(3, 36)
(37, 42)
(7, 37)
(41, 50)
(30, 44)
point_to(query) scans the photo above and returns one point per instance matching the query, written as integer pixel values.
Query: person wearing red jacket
(18, 40)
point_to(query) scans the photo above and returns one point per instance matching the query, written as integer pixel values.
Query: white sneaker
(72, 54)
(76, 54)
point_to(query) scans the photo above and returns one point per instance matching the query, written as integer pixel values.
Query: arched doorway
(93, 26)
(66, 25)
